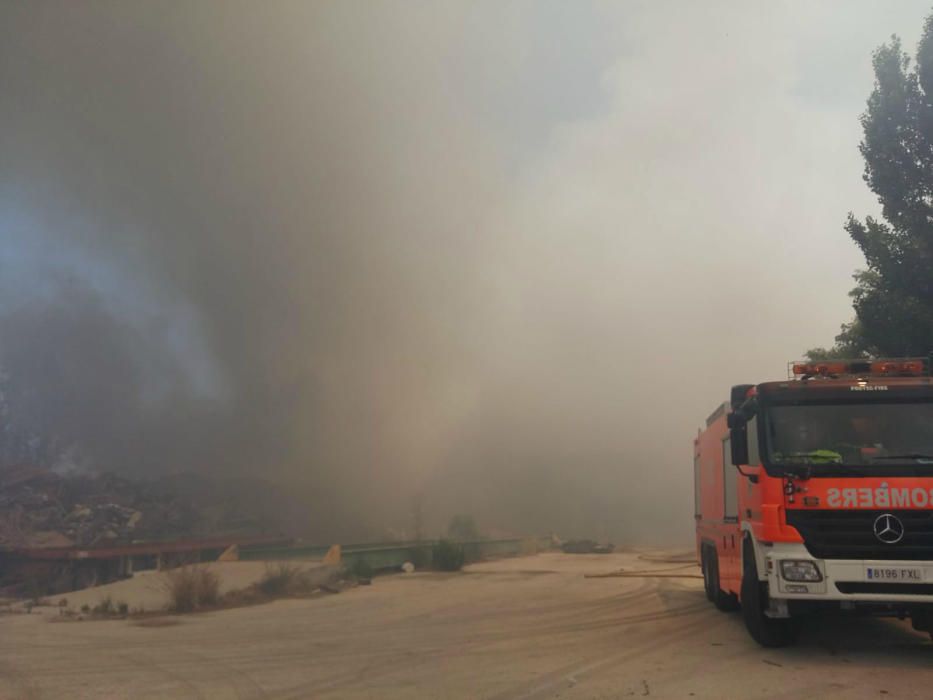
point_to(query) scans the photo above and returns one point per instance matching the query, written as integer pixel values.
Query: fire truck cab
(817, 492)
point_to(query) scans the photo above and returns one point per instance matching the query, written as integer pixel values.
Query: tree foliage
(849, 343)
(462, 528)
(893, 296)
(448, 556)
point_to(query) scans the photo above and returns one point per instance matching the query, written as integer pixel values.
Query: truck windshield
(858, 434)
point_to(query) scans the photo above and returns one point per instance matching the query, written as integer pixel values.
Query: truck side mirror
(739, 442)
(738, 438)
(738, 394)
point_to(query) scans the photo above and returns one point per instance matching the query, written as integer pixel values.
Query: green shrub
(360, 568)
(420, 557)
(448, 556)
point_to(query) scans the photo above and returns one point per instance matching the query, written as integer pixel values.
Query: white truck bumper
(848, 579)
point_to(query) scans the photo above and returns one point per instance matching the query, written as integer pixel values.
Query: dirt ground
(530, 627)
(146, 591)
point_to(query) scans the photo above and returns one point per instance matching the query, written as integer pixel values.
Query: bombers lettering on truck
(882, 497)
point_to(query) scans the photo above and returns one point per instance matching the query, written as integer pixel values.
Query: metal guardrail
(386, 555)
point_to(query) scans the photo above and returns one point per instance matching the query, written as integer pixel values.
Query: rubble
(40, 508)
(43, 508)
(586, 547)
(62, 532)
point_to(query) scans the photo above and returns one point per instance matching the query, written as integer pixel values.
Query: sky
(499, 258)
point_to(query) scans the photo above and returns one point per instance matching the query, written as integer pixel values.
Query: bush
(191, 587)
(280, 579)
(104, 607)
(360, 568)
(448, 556)
(108, 608)
(244, 596)
(420, 557)
(578, 546)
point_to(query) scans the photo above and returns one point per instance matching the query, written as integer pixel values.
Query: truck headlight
(800, 570)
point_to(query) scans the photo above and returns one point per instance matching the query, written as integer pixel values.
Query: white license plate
(894, 574)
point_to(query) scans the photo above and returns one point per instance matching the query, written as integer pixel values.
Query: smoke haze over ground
(506, 257)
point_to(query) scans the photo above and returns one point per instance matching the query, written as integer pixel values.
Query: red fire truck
(817, 492)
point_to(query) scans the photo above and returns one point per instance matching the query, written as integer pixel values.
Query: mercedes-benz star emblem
(889, 529)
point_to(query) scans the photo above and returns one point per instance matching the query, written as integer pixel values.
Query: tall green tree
(893, 297)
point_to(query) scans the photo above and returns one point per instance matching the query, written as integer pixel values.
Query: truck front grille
(849, 534)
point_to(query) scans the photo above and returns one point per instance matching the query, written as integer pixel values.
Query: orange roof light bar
(907, 367)
(822, 369)
(899, 368)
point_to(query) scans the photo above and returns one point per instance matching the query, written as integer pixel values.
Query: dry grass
(282, 579)
(108, 608)
(242, 597)
(191, 588)
(196, 588)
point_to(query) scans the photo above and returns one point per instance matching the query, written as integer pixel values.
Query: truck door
(730, 563)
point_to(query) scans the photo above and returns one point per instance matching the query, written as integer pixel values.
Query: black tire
(767, 631)
(709, 562)
(727, 602)
(922, 621)
(707, 578)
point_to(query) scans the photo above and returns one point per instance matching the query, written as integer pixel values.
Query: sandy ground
(530, 627)
(146, 590)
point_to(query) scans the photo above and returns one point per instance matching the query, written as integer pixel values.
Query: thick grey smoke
(293, 179)
(495, 258)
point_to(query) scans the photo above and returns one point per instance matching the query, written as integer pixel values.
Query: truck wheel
(767, 631)
(727, 602)
(921, 619)
(707, 577)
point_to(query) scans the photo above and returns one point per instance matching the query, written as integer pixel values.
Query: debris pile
(40, 508)
(586, 547)
(43, 508)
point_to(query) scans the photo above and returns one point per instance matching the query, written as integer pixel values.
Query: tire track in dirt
(602, 617)
(146, 661)
(231, 671)
(20, 683)
(573, 674)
